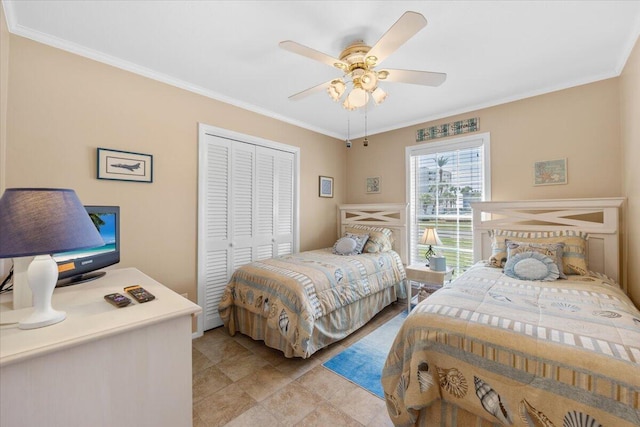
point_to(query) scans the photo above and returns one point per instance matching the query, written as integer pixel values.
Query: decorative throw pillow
(345, 246)
(531, 266)
(574, 256)
(551, 250)
(361, 240)
(380, 238)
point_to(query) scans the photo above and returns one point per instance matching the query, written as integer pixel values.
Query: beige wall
(61, 107)
(580, 124)
(630, 136)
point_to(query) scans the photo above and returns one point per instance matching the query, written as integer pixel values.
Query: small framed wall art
(326, 186)
(373, 185)
(550, 172)
(124, 166)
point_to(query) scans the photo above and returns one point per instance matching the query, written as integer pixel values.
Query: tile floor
(240, 382)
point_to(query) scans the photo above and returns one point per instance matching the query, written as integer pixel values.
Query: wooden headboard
(388, 215)
(598, 217)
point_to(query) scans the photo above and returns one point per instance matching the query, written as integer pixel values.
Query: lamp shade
(36, 221)
(430, 237)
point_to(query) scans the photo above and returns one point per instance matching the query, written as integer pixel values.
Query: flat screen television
(80, 266)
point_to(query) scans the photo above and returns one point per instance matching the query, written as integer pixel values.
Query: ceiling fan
(358, 62)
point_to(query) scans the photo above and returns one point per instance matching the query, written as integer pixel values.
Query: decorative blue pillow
(345, 246)
(555, 251)
(361, 240)
(531, 266)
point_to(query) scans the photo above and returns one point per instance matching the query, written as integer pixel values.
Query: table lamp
(430, 237)
(41, 222)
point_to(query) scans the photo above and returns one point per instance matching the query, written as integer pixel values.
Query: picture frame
(325, 188)
(120, 165)
(373, 185)
(550, 172)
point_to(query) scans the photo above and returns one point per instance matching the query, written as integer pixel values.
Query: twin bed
(491, 348)
(497, 348)
(302, 302)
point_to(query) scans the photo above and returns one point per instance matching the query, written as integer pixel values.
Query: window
(443, 179)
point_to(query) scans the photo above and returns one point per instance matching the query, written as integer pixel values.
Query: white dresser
(102, 365)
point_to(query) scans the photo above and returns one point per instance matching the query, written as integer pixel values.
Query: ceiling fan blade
(294, 47)
(426, 78)
(310, 91)
(404, 28)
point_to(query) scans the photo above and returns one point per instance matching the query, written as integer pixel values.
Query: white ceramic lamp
(41, 222)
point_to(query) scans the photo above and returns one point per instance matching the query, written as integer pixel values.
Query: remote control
(139, 293)
(118, 300)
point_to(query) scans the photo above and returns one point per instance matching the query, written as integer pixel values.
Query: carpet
(362, 362)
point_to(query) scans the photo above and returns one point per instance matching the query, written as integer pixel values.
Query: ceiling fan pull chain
(366, 141)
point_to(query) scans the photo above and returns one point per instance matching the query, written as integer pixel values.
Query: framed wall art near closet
(124, 165)
(325, 188)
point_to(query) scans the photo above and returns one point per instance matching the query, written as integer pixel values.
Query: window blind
(444, 179)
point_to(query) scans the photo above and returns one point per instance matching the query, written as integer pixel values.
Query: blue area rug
(362, 363)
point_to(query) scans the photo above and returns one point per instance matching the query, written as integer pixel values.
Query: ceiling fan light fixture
(340, 66)
(336, 89)
(357, 98)
(369, 81)
(378, 96)
(358, 61)
(371, 60)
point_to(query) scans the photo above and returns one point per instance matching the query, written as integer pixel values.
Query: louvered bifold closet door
(216, 228)
(274, 210)
(242, 204)
(265, 202)
(248, 211)
(284, 214)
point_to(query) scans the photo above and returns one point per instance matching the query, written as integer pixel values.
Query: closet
(247, 209)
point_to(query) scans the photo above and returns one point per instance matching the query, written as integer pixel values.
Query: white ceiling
(492, 51)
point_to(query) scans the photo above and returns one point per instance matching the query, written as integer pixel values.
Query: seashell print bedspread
(511, 352)
(293, 291)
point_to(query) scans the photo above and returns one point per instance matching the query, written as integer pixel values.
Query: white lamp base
(22, 297)
(42, 275)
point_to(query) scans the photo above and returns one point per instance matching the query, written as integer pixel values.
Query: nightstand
(423, 274)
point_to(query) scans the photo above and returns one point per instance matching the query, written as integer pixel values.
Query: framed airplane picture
(124, 165)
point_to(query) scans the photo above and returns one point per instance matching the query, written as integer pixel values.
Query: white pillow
(345, 246)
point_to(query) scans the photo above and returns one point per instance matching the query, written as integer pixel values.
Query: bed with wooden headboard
(599, 218)
(512, 342)
(300, 303)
